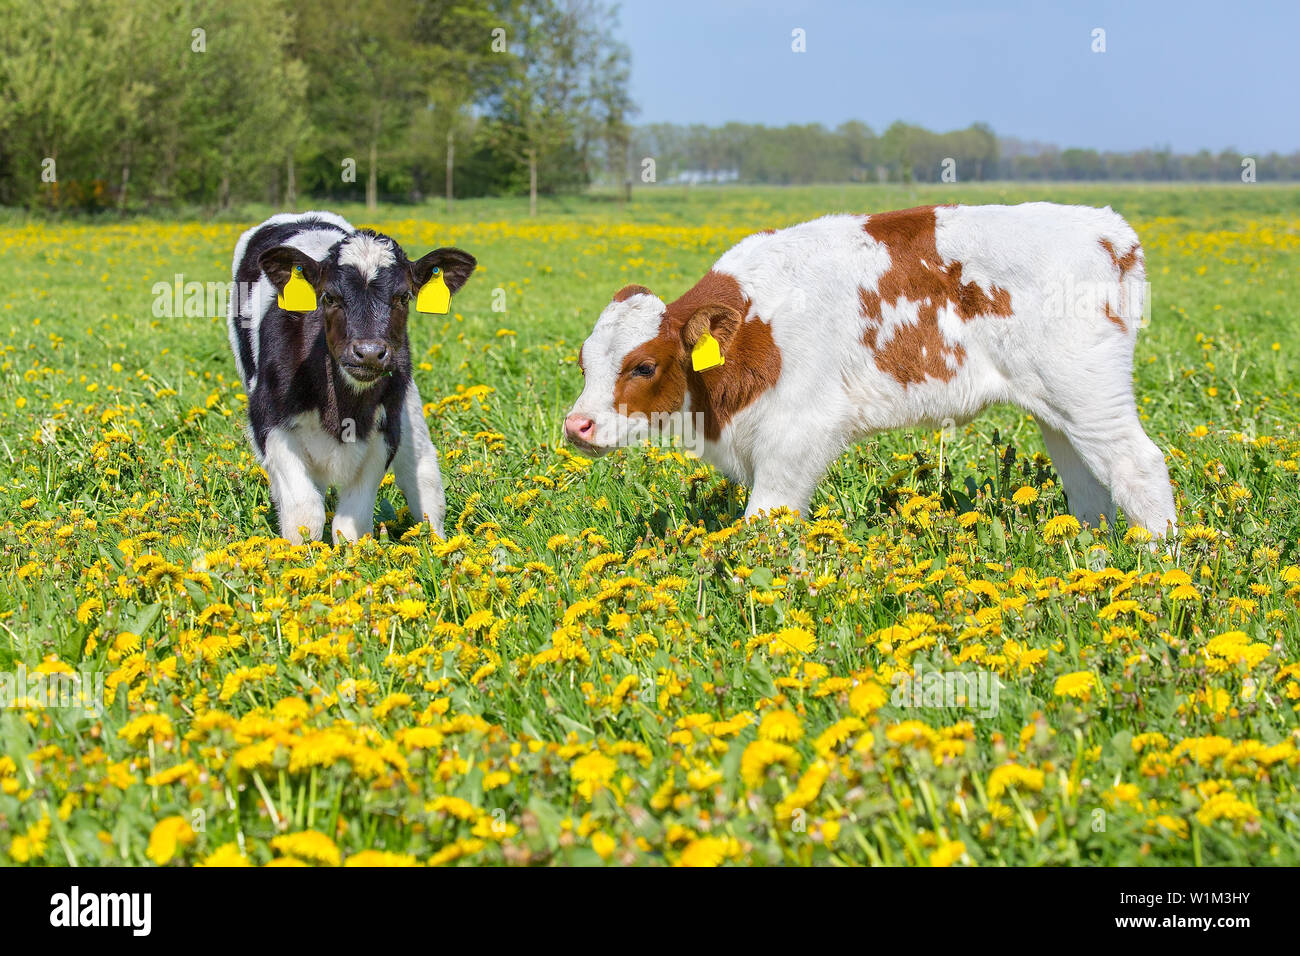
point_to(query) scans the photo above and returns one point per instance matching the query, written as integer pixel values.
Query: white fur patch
(415, 466)
(303, 461)
(367, 254)
(299, 498)
(622, 327)
(331, 462)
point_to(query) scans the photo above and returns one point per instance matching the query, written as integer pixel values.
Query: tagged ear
(720, 321)
(279, 263)
(456, 267)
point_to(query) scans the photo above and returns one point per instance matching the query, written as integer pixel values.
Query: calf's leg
(788, 475)
(1089, 498)
(1130, 464)
(299, 503)
(1089, 419)
(355, 516)
(1106, 438)
(415, 466)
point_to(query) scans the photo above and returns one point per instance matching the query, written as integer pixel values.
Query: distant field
(600, 663)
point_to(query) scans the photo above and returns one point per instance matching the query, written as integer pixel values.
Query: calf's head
(364, 288)
(637, 364)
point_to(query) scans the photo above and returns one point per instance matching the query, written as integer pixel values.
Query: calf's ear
(718, 320)
(457, 266)
(625, 293)
(278, 265)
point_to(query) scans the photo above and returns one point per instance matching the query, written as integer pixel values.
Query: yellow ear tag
(434, 297)
(298, 295)
(706, 354)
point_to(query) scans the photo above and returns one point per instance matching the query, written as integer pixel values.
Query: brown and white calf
(331, 401)
(837, 328)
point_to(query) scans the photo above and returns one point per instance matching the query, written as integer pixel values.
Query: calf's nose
(369, 352)
(580, 427)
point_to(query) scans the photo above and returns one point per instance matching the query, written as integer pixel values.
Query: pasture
(600, 663)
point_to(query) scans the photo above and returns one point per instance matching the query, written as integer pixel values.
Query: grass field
(601, 663)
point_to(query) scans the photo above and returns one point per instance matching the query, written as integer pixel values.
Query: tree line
(853, 152)
(131, 103)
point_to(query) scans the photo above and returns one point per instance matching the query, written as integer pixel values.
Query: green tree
(362, 78)
(547, 107)
(455, 64)
(56, 89)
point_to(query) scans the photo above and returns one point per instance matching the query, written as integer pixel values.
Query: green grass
(589, 667)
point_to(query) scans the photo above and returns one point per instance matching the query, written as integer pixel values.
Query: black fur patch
(297, 369)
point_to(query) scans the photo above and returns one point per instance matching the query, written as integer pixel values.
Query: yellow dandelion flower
(167, 837)
(763, 754)
(479, 620)
(707, 851)
(453, 806)
(30, 846)
(948, 853)
(410, 610)
(1137, 535)
(867, 697)
(1014, 775)
(603, 844)
(1226, 806)
(783, 725)
(1025, 495)
(226, 855)
(793, 639)
(592, 772)
(1061, 528)
(310, 845)
(1078, 685)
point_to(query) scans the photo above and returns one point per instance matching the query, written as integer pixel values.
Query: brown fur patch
(918, 274)
(625, 293)
(663, 391)
(917, 352)
(869, 307)
(752, 366)
(1122, 265)
(713, 288)
(1125, 262)
(753, 360)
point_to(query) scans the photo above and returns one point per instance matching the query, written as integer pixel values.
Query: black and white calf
(330, 396)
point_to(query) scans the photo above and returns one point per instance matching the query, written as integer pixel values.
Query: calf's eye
(644, 370)
(402, 298)
(327, 298)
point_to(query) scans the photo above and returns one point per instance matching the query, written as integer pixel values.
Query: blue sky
(1191, 75)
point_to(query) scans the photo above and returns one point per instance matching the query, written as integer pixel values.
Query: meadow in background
(599, 663)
